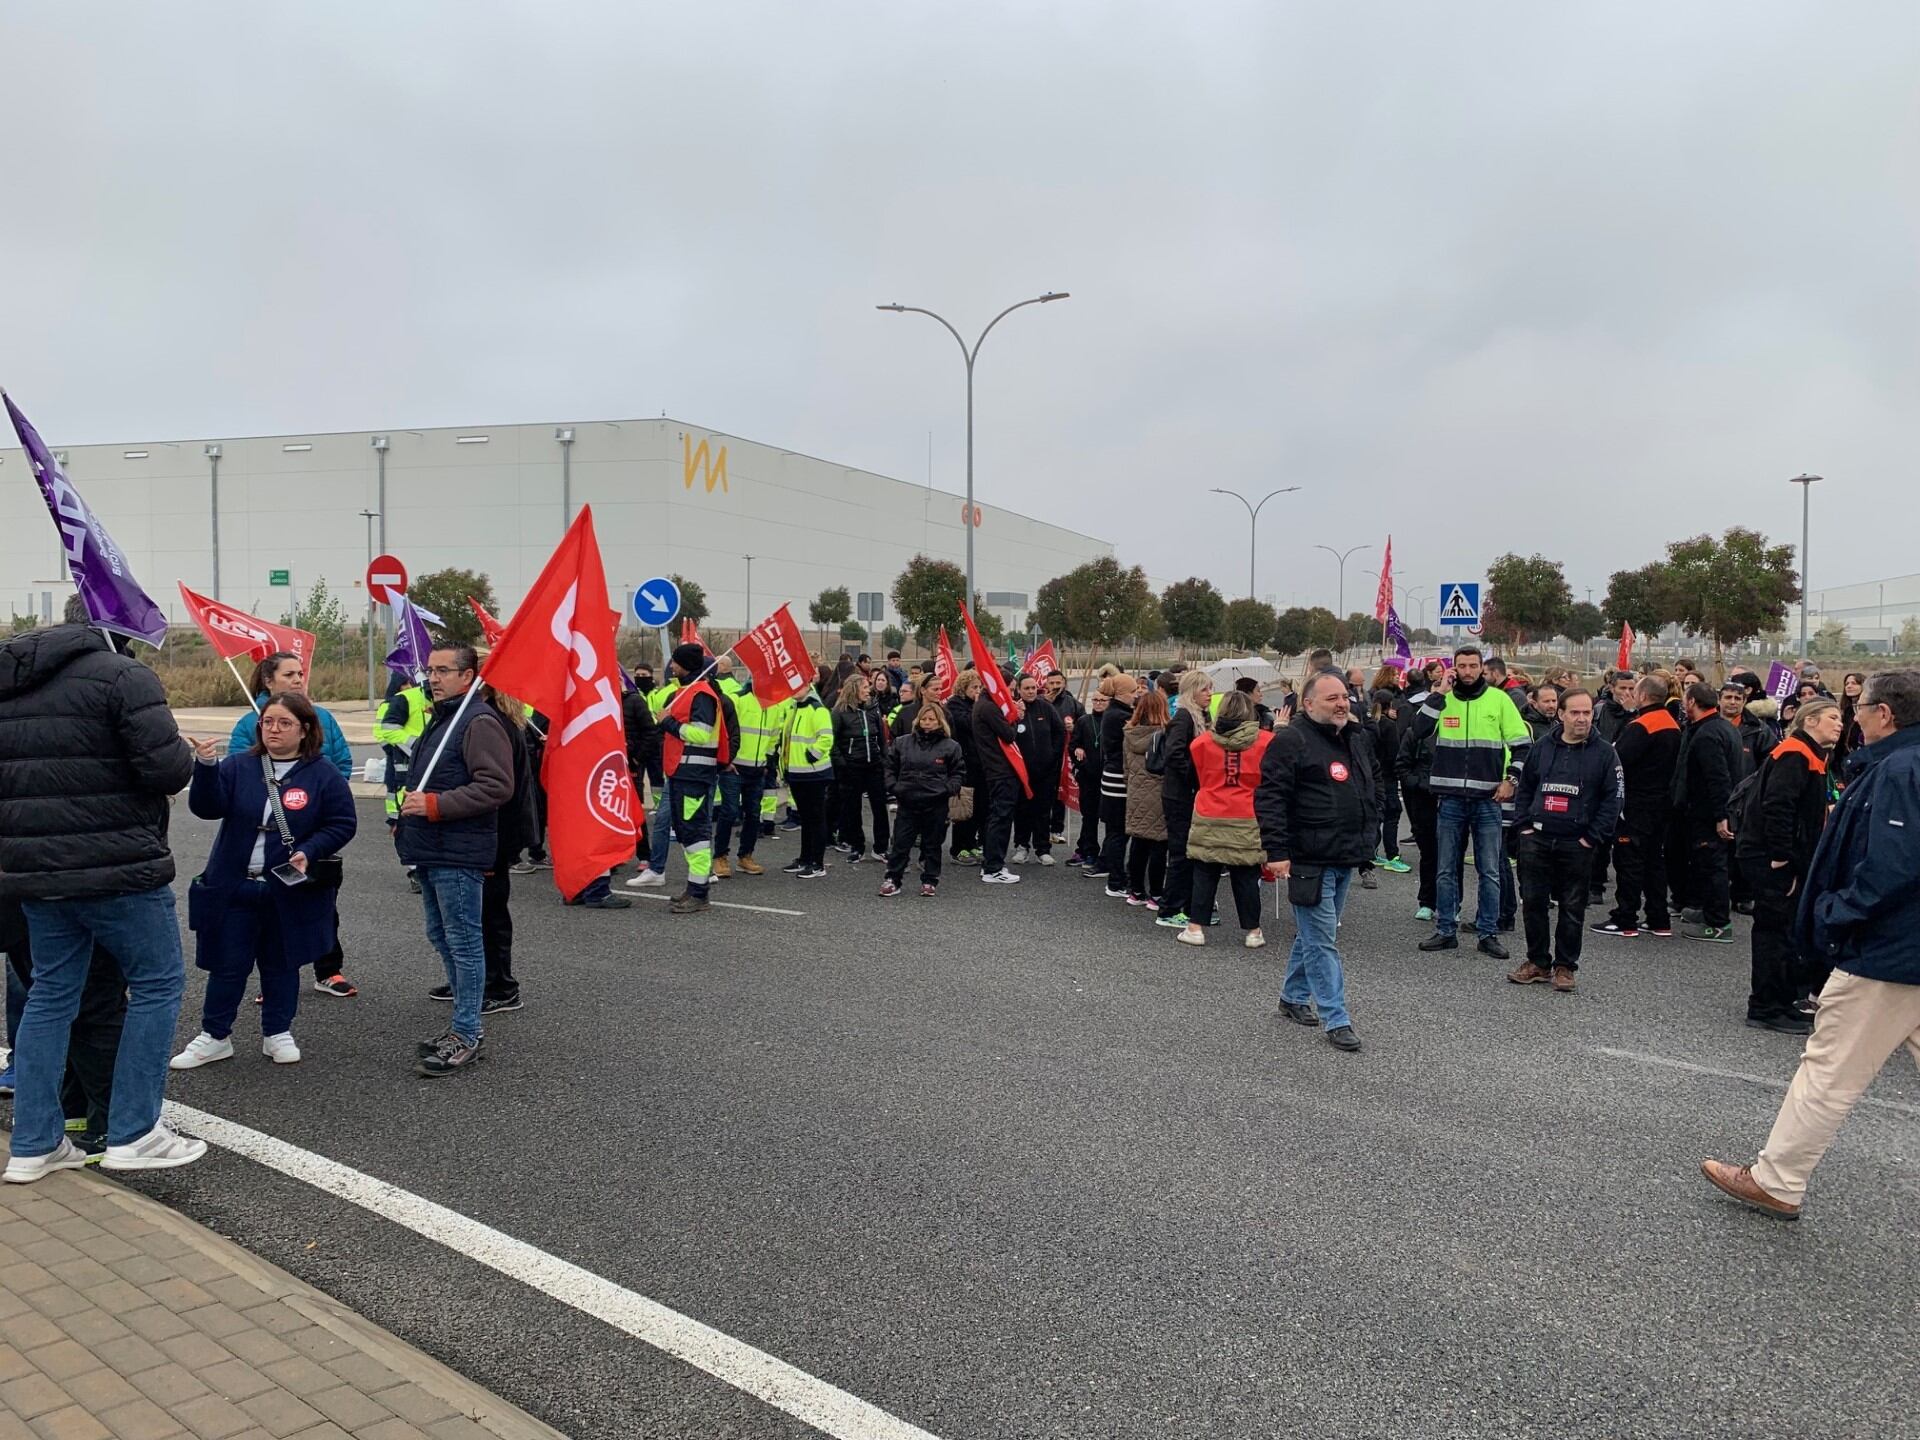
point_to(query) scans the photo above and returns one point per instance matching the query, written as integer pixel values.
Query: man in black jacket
(1569, 800)
(89, 760)
(992, 730)
(1610, 717)
(1648, 745)
(1318, 807)
(1067, 707)
(1043, 742)
(1709, 765)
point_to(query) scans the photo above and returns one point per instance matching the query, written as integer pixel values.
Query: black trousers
(1032, 822)
(1057, 816)
(810, 799)
(496, 933)
(1423, 815)
(859, 782)
(1704, 883)
(1390, 818)
(1177, 807)
(1113, 850)
(924, 822)
(1245, 880)
(1777, 969)
(996, 830)
(1640, 871)
(1089, 843)
(334, 961)
(1599, 884)
(1146, 867)
(1554, 872)
(966, 833)
(86, 1091)
(1737, 886)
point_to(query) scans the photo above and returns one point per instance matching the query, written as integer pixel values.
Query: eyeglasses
(273, 724)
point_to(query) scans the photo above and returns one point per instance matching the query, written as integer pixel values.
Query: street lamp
(370, 516)
(1253, 524)
(1806, 484)
(749, 560)
(1341, 556)
(970, 356)
(1420, 597)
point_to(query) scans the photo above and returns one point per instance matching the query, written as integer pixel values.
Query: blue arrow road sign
(657, 602)
(1459, 602)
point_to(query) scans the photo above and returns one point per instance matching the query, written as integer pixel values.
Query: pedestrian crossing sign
(1460, 603)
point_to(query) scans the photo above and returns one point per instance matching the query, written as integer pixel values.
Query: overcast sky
(1536, 275)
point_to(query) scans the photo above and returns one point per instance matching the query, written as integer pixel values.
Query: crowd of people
(1702, 802)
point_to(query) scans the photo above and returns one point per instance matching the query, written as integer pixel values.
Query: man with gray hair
(1859, 912)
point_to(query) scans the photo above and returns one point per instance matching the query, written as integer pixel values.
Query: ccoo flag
(234, 632)
(776, 652)
(114, 599)
(557, 655)
(1041, 661)
(945, 671)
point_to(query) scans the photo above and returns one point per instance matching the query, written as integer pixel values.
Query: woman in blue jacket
(285, 674)
(244, 913)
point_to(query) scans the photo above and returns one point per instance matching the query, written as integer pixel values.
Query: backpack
(1745, 798)
(1156, 761)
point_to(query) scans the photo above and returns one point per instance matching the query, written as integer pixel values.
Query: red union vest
(704, 751)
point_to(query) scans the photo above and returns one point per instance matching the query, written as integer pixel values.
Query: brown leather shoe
(749, 866)
(1563, 979)
(1528, 974)
(1738, 1181)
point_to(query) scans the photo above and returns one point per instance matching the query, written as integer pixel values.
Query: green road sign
(279, 577)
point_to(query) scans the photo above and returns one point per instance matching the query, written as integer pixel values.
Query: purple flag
(1782, 681)
(412, 644)
(1397, 637)
(114, 599)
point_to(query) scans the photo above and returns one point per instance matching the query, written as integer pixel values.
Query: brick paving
(122, 1320)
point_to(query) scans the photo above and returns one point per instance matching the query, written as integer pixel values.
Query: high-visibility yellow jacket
(809, 749)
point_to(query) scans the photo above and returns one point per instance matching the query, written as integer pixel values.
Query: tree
(1050, 612)
(852, 630)
(1106, 603)
(893, 637)
(1732, 588)
(830, 607)
(326, 619)
(1641, 598)
(928, 594)
(1250, 624)
(1527, 598)
(445, 593)
(1193, 611)
(1293, 630)
(693, 600)
(1830, 639)
(1908, 640)
(1583, 623)
(1150, 625)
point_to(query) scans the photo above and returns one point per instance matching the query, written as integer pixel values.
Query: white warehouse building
(252, 521)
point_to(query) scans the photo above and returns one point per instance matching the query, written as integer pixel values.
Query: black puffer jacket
(89, 756)
(859, 737)
(960, 718)
(923, 767)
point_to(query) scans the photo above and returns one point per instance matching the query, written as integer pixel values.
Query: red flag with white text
(1069, 783)
(776, 652)
(945, 669)
(1001, 696)
(1383, 598)
(1624, 660)
(557, 655)
(1041, 661)
(234, 632)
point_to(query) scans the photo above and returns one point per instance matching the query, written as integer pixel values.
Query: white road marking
(807, 1398)
(729, 905)
(1899, 1107)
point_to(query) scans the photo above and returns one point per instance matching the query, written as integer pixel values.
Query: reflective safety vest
(809, 739)
(661, 696)
(756, 738)
(778, 720)
(702, 746)
(400, 741)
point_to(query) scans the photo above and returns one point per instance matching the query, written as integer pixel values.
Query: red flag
(1383, 598)
(945, 670)
(1069, 784)
(1001, 696)
(489, 626)
(689, 632)
(1041, 661)
(557, 655)
(234, 632)
(776, 652)
(1624, 661)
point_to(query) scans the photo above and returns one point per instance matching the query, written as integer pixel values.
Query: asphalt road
(1011, 1162)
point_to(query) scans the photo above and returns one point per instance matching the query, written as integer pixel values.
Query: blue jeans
(660, 828)
(1313, 966)
(739, 805)
(1457, 817)
(144, 936)
(452, 900)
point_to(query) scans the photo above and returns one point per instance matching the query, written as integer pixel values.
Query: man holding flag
(1002, 766)
(701, 738)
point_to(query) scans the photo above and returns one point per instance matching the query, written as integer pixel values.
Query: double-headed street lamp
(970, 355)
(1253, 524)
(1806, 484)
(1341, 556)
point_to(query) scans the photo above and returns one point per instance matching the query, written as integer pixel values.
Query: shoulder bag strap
(273, 797)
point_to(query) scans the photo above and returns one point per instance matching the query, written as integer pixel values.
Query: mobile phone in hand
(287, 875)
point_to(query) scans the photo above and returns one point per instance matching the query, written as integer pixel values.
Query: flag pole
(245, 689)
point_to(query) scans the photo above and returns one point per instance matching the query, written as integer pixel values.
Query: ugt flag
(1402, 651)
(411, 644)
(1001, 696)
(114, 599)
(557, 656)
(234, 632)
(776, 652)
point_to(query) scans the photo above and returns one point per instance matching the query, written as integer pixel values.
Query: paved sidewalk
(123, 1320)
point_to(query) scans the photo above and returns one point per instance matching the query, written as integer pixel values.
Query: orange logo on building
(712, 468)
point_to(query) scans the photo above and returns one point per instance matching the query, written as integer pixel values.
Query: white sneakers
(1192, 935)
(999, 877)
(1021, 855)
(1256, 940)
(278, 1048)
(158, 1149)
(1047, 860)
(25, 1169)
(645, 878)
(203, 1049)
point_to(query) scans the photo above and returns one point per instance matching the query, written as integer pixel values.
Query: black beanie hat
(691, 658)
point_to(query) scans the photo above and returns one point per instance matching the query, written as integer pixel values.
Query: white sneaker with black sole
(1000, 877)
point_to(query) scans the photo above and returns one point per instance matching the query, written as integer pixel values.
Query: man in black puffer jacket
(89, 758)
(1710, 765)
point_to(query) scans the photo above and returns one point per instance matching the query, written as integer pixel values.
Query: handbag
(324, 874)
(960, 807)
(1157, 752)
(1304, 884)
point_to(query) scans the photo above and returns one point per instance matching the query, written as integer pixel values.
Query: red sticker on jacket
(1337, 770)
(1452, 722)
(294, 800)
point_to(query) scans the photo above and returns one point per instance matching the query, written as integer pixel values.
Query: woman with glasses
(263, 903)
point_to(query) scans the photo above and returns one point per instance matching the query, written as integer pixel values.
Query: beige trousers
(1860, 1023)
